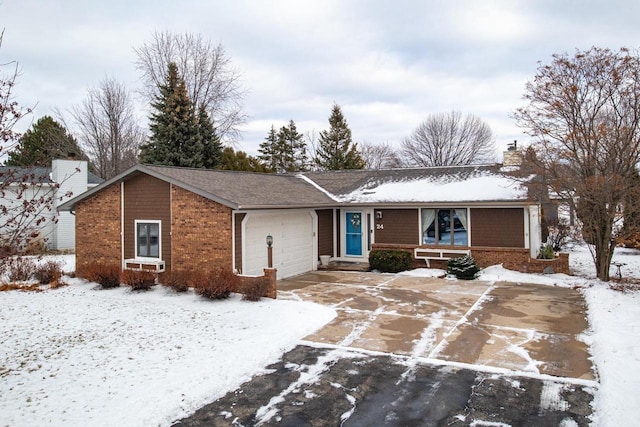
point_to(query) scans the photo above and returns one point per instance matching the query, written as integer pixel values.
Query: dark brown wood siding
(337, 236)
(497, 228)
(325, 232)
(396, 226)
(147, 198)
(238, 240)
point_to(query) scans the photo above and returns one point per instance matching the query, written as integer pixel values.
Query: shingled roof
(245, 190)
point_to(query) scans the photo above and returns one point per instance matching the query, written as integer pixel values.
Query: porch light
(269, 251)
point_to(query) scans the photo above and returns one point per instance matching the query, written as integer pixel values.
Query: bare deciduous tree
(448, 139)
(26, 196)
(206, 69)
(584, 113)
(379, 156)
(108, 128)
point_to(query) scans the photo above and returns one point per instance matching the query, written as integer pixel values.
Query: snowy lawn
(81, 356)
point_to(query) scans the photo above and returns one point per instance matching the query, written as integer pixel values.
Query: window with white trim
(445, 226)
(148, 239)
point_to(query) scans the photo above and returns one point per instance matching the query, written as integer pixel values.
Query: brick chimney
(513, 156)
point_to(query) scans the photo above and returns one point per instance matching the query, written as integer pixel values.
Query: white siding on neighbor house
(46, 228)
(294, 242)
(72, 176)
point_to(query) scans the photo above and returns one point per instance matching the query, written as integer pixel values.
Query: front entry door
(354, 234)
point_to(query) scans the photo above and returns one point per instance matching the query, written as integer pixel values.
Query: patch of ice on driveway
(551, 397)
(424, 272)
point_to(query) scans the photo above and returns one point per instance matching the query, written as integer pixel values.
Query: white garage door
(293, 243)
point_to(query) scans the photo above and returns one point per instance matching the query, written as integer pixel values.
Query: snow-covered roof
(421, 185)
(244, 190)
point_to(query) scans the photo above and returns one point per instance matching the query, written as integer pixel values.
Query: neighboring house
(169, 218)
(58, 230)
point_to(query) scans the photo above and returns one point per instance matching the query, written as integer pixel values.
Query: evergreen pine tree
(175, 138)
(268, 150)
(240, 161)
(291, 150)
(211, 144)
(46, 140)
(336, 151)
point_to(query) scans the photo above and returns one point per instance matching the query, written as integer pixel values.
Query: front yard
(81, 356)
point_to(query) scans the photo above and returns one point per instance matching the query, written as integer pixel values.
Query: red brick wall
(201, 232)
(511, 258)
(518, 260)
(268, 282)
(98, 229)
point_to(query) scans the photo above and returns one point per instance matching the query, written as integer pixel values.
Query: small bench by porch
(432, 254)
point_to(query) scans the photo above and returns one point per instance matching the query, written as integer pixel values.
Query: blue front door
(354, 234)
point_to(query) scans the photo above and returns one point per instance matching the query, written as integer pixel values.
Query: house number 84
(379, 226)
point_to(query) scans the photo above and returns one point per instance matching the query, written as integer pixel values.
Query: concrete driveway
(530, 328)
(407, 351)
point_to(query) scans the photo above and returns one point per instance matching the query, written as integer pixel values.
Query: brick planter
(517, 259)
(268, 280)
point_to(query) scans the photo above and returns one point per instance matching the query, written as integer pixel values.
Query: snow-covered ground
(80, 356)
(614, 337)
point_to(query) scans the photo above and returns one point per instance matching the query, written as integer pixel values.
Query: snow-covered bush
(464, 267)
(253, 290)
(177, 280)
(137, 280)
(19, 268)
(48, 272)
(218, 284)
(106, 275)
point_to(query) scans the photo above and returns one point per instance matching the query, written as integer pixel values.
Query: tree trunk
(604, 252)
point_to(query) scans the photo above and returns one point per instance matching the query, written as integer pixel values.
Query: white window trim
(135, 241)
(468, 228)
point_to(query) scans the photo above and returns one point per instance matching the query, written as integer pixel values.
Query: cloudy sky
(388, 64)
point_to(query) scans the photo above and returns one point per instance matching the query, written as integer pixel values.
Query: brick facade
(201, 232)
(519, 260)
(267, 281)
(98, 224)
(511, 258)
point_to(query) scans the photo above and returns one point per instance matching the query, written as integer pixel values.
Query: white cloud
(388, 64)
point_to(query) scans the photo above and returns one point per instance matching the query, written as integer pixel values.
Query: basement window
(147, 239)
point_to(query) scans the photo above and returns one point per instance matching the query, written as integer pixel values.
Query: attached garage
(294, 242)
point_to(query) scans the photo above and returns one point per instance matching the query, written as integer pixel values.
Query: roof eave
(69, 205)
